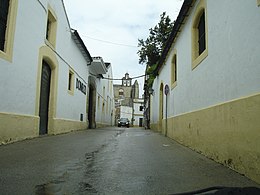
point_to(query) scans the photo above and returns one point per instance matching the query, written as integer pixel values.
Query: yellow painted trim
(53, 27)
(7, 54)
(71, 91)
(100, 125)
(65, 126)
(173, 85)
(15, 127)
(155, 127)
(197, 59)
(227, 133)
(47, 54)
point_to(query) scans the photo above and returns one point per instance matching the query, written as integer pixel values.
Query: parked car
(123, 122)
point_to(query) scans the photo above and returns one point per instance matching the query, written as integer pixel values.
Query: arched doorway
(47, 82)
(161, 107)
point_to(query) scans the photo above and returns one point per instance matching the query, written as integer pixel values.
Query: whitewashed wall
(18, 78)
(230, 71)
(106, 116)
(137, 113)
(126, 112)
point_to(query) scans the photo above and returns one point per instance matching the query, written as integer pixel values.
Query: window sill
(173, 85)
(71, 92)
(199, 59)
(6, 56)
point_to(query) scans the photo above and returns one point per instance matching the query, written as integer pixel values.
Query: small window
(174, 70)
(71, 82)
(4, 8)
(141, 108)
(98, 101)
(51, 28)
(8, 11)
(81, 117)
(199, 34)
(124, 83)
(121, 92)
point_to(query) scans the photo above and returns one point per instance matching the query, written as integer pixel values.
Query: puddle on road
(74, 177)
(118, 133)
(53, 187)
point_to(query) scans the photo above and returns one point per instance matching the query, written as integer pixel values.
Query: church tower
(126, 81)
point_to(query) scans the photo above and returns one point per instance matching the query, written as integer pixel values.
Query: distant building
(126, 95)
(138, 112)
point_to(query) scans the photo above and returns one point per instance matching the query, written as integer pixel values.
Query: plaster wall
(137, 113)
(20, 80)
(105, 107)
(126, 112)
(18, 77)
(230, 70)
(214, 107)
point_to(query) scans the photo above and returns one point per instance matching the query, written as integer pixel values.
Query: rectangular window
(4, 9)
(201, 34)
(48, 30)
(98, 101)
(141, 108)
(174, 70)
(51, 28)
(8, 15)
(71, 82)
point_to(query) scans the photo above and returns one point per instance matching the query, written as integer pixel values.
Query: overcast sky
(111, 28)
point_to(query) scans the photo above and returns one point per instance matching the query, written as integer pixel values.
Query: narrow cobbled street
(109, 161)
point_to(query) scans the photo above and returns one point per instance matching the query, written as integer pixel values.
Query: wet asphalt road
(108, 161)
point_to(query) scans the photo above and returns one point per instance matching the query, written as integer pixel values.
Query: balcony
(98, 66)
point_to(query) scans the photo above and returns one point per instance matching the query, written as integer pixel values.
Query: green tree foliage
(151, 48)
(150, 72)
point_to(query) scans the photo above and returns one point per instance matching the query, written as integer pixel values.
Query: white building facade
(126, 112)
(211, 66)
(101, 77)
(44, 71)
(138, 112)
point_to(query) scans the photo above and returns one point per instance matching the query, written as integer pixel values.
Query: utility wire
(59, 55)
(109, 42)
(122, 78)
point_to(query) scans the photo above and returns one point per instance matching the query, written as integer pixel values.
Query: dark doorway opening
(91, 107)
(44, 98)
(140, 122)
